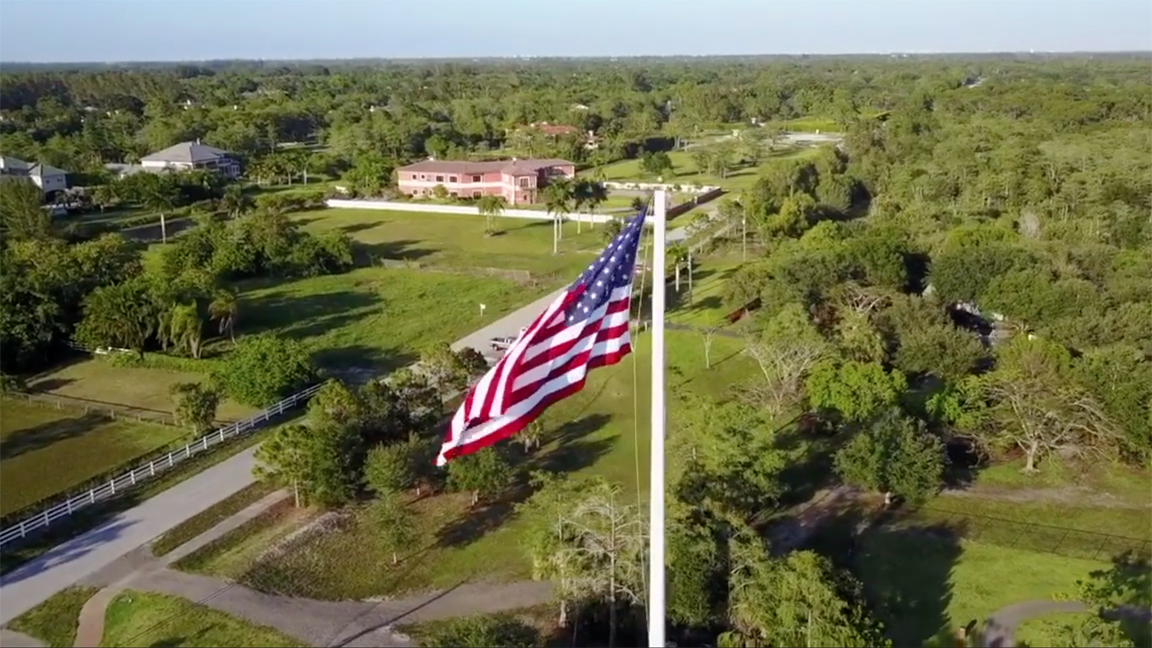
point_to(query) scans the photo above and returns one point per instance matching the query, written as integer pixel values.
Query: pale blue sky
(156, 30)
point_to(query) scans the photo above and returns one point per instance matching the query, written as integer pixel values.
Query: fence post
(132, 475)
(113, 485)
(46, 517)
(91, 495)
(151, 468)
(169, 459)
(69, 502)
(187, 450)
(22, 530)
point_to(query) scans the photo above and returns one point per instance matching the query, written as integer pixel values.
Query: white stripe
(567, 334)
(503, 368)
(461, 437)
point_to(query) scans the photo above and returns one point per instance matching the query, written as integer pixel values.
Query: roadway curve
(1000, 628)
(96, 550)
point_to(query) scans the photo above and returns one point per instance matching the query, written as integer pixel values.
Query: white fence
(340, 203)
(651, 186)
(143, 473)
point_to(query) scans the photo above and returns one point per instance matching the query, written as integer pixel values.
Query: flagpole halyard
(656, 599)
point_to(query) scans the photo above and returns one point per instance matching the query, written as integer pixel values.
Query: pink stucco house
(519, 181)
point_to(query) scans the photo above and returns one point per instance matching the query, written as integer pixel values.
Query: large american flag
(584, 328)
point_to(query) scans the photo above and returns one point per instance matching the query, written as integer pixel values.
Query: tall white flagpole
(656, 488)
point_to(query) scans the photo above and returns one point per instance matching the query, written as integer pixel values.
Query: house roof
(464, 167)
(15, 166)
(186, 153)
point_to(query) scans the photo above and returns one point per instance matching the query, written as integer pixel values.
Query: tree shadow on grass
(907, 574)
(46, 434)
(402, 250)
(357, 364)
(574, 451)
(48, 384)
(305, 316)
(171, 642)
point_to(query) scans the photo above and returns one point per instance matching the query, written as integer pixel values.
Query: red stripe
(519, 423)
(524, 391)
(558, 350)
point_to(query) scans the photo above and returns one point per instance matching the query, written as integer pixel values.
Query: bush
(482, 631)
(263, 369)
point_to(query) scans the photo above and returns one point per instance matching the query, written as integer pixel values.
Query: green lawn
(99, 381)
(686, 172)
(375, 319)
(54, 620)
(602, 430)
(457, 240)
(146, 619)
(928, 587)
(46, 451)
(703, 305)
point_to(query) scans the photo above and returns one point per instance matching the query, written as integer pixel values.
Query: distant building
(519, 181)
(48, 178)
(590, 140)
(186, 156)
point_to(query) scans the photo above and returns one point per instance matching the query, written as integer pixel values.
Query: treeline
(101, 294)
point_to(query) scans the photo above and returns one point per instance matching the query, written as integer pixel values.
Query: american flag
(584, 328)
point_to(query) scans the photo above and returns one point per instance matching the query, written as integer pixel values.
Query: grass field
(375, 319)
(100, 382)
(457, 240)
(593, 432)
(929, 587)
(146, 619)
(54, 620)
(46, 451)
(685, 170)
(703, 305)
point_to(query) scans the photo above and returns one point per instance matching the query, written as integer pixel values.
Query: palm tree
(597, 194)
(104, 195)
(530, 435)
(558, 201)
(186, 328)
(161, 200)
(225, 308)
(234, 202)
(677, 256)
(491, 207)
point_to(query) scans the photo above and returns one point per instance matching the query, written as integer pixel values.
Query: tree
(316, 463)
(856, 390)
(484, 473)
(490, 207)
(1029, 403)
(417, 396)
(104, 196)
(395, 466)
(264, 368)
(184, 329)
(787, 349)
(708, 335)
(798, 600)
(445, 370)
(677, 256)
(195, 405)
(942, 350)
(234, 202)
(558, 201)
(894, 456)
(161, 199)
(121, 315)
(590, 194)
(530, 435)
(21, 210)
(612, 229)
(394, 524)
(656, 163)
(225, 309)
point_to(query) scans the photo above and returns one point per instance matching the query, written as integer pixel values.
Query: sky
(192, 30)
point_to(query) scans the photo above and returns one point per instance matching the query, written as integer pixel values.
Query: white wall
(651, 186)
(337, 203)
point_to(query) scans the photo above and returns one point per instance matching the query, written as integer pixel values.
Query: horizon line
(584, 57)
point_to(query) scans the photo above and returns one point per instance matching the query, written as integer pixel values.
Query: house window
(477, 178)
(453, 179)
(439, 178)
(523, 182)
(476, 194)
(422, 176)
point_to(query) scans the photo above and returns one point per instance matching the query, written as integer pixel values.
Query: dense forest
(972, 264)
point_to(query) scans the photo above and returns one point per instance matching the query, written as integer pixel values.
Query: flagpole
(656, 488)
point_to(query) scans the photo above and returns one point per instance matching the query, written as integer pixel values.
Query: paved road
(81, 557)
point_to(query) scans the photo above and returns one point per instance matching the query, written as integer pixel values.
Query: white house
(48, 178)
(186, 156)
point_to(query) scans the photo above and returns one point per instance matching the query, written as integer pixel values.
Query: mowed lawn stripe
(45, 451)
